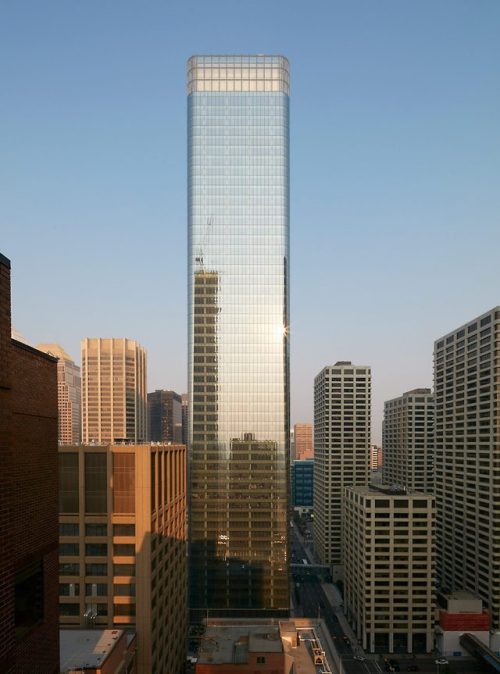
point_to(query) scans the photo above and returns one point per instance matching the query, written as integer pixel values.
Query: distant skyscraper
(69, 395)
(408, 440)
(375, 457)
(467, 459)
(303, 437)
(388, 542)
(342, 419)
(164, 416)
(122, 546)
(113, 390)
(29, 630)
(238, 210)
(302, 478)
(185, 412)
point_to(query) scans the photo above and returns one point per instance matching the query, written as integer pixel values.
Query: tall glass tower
(238, 213)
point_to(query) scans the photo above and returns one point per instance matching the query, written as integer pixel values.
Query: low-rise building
(244, 647)
(460, 612)
(97, 652)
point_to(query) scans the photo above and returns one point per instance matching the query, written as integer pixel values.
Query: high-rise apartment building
(29, 630)
(303, 439)
(238, 210)
(342, 418)
(122, 550)
(165, 416)
(113, 391)
(408, 440)
(388, 542)
(69, 394)
(467, 459)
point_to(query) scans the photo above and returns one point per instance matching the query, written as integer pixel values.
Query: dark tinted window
(95, 482)
(96, 530)
(28, 598)
(68, 482)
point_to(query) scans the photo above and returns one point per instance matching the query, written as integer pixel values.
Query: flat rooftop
(460, 595)
(223, 643)
(86, 648)
(389, 490)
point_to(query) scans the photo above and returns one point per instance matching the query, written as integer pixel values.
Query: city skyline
(394, 179)
(283, 222)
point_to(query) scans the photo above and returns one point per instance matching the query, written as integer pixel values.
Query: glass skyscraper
(238, 212)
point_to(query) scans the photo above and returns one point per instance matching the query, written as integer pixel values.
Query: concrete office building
(238, 220)
(69, 395)
(122, 552)
(165, 416)
(29, 631)
(389, 551)
(408, 440)
(113, 391)
(342, 418)
(303, 439)
(467, 460)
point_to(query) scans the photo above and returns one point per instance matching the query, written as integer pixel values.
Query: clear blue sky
(395, 180)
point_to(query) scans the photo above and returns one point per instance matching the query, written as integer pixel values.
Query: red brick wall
(275, 664)
(464, 622)
(28, 504)
(6, 501)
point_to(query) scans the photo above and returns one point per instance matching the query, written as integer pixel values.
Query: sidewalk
(335, 599)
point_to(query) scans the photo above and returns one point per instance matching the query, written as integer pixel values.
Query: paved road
(313, 603)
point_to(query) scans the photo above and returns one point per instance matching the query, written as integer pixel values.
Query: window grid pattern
(238, 290)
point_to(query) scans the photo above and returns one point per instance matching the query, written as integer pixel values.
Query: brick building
(29, 629)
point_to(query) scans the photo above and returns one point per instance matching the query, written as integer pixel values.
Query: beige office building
(467, 459)
(389, 549)
(69, 400)
(342, 418)
(303, 441)
(122, 546)
(408, 440)
(114, 398)
(376, 457)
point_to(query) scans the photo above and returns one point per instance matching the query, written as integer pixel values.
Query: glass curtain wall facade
(238, 211)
